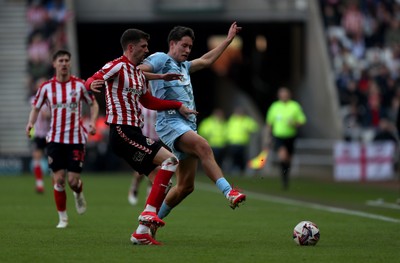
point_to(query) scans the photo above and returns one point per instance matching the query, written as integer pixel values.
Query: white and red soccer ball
(306, 233)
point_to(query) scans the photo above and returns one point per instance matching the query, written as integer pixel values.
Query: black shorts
(39, 143)
(68, 157)
(137, 150)
(288, 143)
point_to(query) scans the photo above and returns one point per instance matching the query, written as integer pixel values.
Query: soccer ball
(306, 233)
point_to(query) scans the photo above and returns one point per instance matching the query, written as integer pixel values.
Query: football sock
(142, 229)
(223, 185)
(161, 181)
(60, 197)
(150, 208)
(164, 210)
(37, 170)
(63, 215)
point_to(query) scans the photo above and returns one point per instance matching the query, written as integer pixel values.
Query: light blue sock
(164, 210)
(223, 185)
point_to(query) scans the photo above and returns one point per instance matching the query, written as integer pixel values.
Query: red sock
(37, 170)
(60, 197)
(158, 190)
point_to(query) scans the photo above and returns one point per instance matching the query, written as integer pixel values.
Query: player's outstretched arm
(211, 56)
(166, 76)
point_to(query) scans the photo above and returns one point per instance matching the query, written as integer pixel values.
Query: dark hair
(60, 53)
(178, 32)
(132, 36)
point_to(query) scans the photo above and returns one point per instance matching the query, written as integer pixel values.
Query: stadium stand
(363, 39)
(14, 106)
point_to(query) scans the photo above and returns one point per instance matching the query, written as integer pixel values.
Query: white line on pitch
(288, 201)
(381, 203)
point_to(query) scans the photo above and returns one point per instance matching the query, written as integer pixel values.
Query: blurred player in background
(38, 137)
(178, 133)
(66, 139)
(213, 129)
(283, 119)
(126, 88)
(240, 127)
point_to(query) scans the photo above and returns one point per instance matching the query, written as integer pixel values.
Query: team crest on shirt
(73, 106)
(73, 93)
(149, 141)
(50, 160)
(138, 157)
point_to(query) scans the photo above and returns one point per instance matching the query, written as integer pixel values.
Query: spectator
(38, 49)
(37, 18)
(385, 132)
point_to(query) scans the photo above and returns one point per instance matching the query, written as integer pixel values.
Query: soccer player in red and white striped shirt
(126, 88)
(66, 139)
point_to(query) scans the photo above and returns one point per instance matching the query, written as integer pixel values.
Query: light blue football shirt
(178, 90)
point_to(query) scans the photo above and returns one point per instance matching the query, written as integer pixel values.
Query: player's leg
(185, 176)
(194, 144)
(134, 188)
(37, 169)
(284, 162)
(60, 197)
(76, 158)
(157, 194)
(37, 155)
(57, 164)
(161, 183)
(76, 185)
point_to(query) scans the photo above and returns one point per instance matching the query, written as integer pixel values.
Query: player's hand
(96, 85)
(171, 76)
(28, 130)
(185, 111)
(92, 129)
(233, 31)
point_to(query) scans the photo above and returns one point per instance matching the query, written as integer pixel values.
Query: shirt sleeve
(156, 61)
(300, 117)
(269, 119)
(153, 103)
(107, 72)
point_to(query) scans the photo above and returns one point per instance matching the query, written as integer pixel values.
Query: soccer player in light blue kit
(178, 133)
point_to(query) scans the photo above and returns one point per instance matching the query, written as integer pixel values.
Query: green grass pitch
(202, 228)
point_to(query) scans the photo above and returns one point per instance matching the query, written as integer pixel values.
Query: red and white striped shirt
(65, 102)
(125, 83)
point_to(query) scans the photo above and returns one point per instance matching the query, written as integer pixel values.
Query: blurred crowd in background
(363, 38)
(46, 20)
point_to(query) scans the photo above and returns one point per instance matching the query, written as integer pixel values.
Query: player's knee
(203, 149)
(170, 164)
